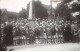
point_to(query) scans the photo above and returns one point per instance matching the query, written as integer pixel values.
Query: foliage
(76, 8)
(23, 14)
(63, 10)
(66, 1)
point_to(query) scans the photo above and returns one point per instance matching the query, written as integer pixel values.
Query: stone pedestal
(32, 24)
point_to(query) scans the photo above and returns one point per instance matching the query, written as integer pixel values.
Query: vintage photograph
(39, 25)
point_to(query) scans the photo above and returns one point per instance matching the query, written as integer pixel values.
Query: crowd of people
(46, 30)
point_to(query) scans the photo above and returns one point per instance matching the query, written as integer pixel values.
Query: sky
(17, 5)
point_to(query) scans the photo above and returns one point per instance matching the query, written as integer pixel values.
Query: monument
(31, 17)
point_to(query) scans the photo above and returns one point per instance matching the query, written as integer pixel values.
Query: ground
(47, 47)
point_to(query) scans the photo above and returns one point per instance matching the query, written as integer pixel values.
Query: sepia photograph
(39, 25)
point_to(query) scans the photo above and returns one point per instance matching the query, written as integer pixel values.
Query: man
(67, 34)
(3, 47)
(8, 38)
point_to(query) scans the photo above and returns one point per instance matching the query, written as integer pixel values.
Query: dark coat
(8, 38)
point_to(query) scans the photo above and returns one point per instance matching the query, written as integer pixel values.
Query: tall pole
(34, 8)
(51, 8)
(51, 16)
(0, 26)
